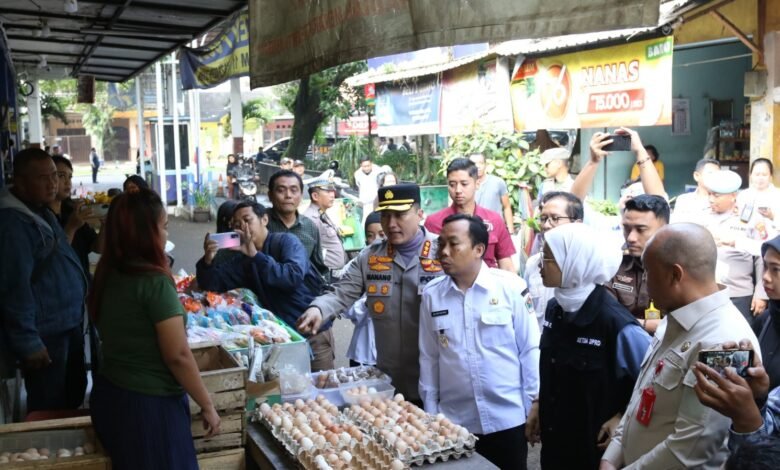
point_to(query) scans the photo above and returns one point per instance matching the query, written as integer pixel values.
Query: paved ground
(188, 238)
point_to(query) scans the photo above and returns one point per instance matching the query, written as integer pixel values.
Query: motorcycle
(247, 179)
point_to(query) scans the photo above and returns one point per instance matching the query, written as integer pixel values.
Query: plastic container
(384, 391)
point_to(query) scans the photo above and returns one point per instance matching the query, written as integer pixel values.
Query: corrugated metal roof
(110, 39)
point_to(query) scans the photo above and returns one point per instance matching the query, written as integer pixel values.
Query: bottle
(652, 313)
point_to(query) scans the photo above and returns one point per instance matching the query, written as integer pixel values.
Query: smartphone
(620, 142)
(720, 359)
(226, 239)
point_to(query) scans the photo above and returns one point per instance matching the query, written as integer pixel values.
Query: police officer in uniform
(738, 237)
(643, 216)
(392, 273)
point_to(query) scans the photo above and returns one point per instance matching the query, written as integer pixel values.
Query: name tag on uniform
(440, 313)
(622, 287)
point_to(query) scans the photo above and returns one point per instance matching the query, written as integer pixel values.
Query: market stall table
(266, 453)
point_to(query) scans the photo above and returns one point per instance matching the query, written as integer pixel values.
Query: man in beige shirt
(665, 426)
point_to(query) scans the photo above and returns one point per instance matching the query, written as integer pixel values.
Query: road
(188, 238)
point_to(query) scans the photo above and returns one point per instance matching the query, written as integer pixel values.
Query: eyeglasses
(554, 219)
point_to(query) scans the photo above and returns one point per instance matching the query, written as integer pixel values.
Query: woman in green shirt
(138, 404)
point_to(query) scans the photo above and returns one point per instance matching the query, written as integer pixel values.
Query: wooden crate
(223, 377)
(232, 433)
(232, 459)
(225, 381)
(52, 433)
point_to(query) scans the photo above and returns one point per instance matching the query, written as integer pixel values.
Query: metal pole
(236, 116)
(176, 141)
(160, 135)
(194, 97)
(139, 103)
(34, 113)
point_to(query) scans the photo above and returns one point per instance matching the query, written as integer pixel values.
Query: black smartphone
(720, 359)
(620, 142)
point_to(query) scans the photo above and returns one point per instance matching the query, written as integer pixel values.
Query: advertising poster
(409, 108)
(472, 95)
(225, 57)
(628, 85)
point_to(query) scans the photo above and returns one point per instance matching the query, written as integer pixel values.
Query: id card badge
(645, 411)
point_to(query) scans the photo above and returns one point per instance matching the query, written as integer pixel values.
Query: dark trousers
(60, 385)
(743, 305)
(142, 431)
(323, 345)
(94, 174)
(507, 449)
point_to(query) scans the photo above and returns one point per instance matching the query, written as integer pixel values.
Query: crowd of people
(594, 351)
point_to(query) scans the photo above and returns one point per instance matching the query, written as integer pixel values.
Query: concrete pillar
(34, 116)
(236, 116)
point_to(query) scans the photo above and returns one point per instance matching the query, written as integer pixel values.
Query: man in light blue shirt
(479, 345)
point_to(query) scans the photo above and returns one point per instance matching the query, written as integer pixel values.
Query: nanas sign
(629, 85)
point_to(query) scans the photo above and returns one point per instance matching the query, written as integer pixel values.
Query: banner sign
(410, 108)
(471, 95)
(628, 85)
(356, 125)
(225, 57)
(291, 39)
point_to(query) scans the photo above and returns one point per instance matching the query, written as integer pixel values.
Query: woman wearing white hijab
(591, 351)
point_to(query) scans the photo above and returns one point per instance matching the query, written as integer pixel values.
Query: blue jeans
(60, 385)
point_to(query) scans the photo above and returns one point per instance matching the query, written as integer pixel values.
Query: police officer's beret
(398, 197)
(722, 182)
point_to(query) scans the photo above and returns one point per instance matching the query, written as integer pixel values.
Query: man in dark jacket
(42, 287)
(95, 160)
(275, 266)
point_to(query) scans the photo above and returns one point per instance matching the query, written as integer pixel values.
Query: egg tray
(427, 453)
(365, 456)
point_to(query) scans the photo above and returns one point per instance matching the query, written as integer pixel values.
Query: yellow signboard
(629, 85)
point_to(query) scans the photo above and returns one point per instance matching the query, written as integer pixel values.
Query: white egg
(307, 443)
(396, 465)
(286, 424)
(276, 421)
(398, 398)
(345, 456)
(401, 446)
(265, 408)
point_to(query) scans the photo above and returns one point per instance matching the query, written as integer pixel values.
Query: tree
(257, 110)
(97, 121)
(315, 99)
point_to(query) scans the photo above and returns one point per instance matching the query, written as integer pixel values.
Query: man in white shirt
(479, 345)
(366, 182)
(694, 207)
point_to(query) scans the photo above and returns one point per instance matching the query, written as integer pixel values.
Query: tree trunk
(307, 120)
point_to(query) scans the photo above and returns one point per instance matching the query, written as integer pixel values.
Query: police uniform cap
(557, 153)
(722, 182)
(398, 197)
(325, 185)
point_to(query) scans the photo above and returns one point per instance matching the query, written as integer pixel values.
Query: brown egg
(333, 438)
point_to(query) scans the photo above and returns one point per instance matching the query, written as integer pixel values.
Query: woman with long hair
(138, 404)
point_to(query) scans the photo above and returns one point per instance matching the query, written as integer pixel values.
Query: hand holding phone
(620, 143)
(720, 359)
(226, 239)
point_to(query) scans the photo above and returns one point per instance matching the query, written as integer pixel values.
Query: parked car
(277, 149)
